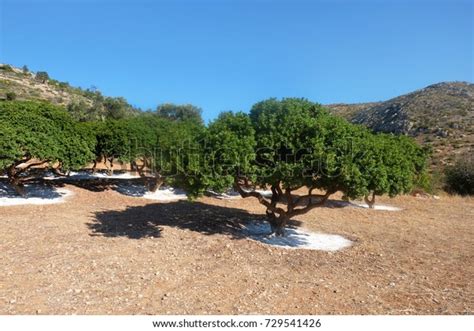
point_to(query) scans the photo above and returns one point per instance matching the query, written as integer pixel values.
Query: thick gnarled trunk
(154, 180)
(277, 224)
(17, 185)
(279, 217)
(15, 174)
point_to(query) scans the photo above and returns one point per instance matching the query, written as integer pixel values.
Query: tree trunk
(94, 167)
(277, 224)
(133, 166)
(110, 170)
(16, 182)
(59, 172)
(370, 202)
(155, 183)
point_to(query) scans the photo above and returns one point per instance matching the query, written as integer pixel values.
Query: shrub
(42, 76)
(10, 95)
(6, 67)
(460, 176)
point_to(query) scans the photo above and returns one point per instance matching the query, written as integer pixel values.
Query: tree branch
(259, 196)
(311, 204)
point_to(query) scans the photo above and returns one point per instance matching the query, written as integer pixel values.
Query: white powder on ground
(232, 194)
(376, 207)
(163, 194)
(295, 238)
(358, 204)
(166, 194)
(228, 195)
(35, 195)
(87, 175)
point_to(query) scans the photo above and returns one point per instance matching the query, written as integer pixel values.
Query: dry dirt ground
(105, 253)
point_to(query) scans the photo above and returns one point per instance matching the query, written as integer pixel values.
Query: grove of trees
(292, 147)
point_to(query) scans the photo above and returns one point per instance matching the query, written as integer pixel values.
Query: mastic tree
(391, 165)
(113, 141)
(151, 144)
(293, 144)
(216, 155)
(40, 135)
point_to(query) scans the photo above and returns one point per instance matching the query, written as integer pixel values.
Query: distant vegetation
(83, 104)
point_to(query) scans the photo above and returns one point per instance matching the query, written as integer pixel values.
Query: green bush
(6, 67)
(460, 176)
(10, 96)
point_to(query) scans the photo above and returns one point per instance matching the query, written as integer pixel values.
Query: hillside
(89, 104)
(440, 115)
(348, 110)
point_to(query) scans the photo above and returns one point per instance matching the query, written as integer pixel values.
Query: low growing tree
(391, 165)
(294, 144)
(38, 134)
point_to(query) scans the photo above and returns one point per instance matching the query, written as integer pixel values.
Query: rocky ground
(101, 252)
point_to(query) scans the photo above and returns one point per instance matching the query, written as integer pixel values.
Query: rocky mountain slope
(440, 115)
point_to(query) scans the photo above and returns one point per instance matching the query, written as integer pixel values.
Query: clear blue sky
(229, 54)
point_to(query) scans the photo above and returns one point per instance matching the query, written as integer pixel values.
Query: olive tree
(37, 134)
(42, 76)
(180, 112)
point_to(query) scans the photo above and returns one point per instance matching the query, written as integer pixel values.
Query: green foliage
(295, 143)
(10, 95)
(166, 147)
(460, 176)
(116, 108)
(10, 145)
(42, 76)
(42, 132)
(227, 149)
(25, 69)
(80, 111)
(392, 164)
(6, 68)
(180, 112)
(101, 109)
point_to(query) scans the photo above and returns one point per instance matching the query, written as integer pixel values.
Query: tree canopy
(291, 144)
(180, 112)
(40, 134)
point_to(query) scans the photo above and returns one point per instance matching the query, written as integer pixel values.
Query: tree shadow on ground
(32, 189)
(148, 221)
